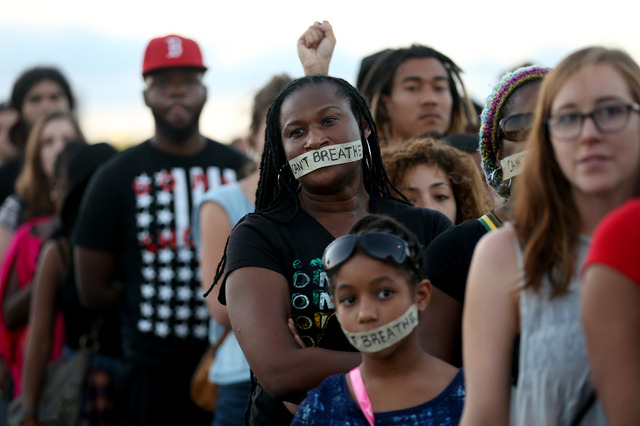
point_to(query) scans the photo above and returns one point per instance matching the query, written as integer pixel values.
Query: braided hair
(379, 82)
(276, 179)
(277, 182)
(490, 139)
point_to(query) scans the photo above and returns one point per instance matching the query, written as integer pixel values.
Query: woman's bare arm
(440, 325)
(15, 306)
(48, 277)
(315, 48)
(611, 318)
(490, 324)
(259, 309)
(215, 228)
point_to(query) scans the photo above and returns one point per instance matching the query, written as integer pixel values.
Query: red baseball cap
(172, 51)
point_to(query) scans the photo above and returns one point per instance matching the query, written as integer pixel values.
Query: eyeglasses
(516, 127)
(379, 245)
(607, 118)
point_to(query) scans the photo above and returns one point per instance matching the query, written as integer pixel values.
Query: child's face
(369, 293)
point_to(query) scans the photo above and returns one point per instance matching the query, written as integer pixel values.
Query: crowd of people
(384, 253)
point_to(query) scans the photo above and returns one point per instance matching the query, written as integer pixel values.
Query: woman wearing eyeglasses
(321, 171)
(378, 292)
(583, 157)
(505, 124)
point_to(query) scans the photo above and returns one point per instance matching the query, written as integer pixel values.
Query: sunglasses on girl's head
(378, 245)
(516, 127)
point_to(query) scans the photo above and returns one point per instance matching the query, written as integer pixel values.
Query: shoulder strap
(361, 394)
(221, 339)
(584, 409)
(490, 221)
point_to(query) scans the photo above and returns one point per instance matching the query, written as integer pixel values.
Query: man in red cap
(134, 245)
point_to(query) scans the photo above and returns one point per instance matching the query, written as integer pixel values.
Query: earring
(284, 184)
(280, 173)
(366, 159)
(497, 182)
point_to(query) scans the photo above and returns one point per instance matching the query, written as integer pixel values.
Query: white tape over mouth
(512, 165)
(386, 335)
(331, 155)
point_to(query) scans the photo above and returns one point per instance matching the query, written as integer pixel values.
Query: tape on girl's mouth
(386, 335)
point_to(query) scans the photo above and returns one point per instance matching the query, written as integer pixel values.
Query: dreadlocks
(379, 81)
(276, 179)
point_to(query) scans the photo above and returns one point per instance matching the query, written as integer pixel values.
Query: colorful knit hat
(490, 141)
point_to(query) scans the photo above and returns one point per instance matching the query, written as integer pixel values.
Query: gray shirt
(554, 380)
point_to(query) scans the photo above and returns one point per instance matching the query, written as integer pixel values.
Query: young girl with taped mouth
(378, 294)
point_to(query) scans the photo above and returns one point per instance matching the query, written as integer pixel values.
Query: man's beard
(177, 135)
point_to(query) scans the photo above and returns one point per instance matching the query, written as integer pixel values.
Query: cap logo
(174, 44)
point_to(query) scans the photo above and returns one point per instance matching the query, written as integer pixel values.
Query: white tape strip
(328, 156)
(512, 165)
(386, 335)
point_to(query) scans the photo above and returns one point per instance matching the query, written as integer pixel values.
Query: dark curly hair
(472, 198)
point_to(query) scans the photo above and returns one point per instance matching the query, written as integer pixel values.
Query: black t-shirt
(9, 171)
(139, 206)
(290, 242)
(449, 257)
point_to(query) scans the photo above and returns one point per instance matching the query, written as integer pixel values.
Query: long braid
(276, 179)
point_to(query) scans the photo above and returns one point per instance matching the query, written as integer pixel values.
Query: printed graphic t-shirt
(290, 242)
(330, 404)
(293, 246)
(139, 206)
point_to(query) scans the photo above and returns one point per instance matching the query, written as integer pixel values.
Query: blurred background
(99, 45)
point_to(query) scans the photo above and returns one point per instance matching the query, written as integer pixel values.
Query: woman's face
(44, 98)
(55, 135)
(420, 102)
(314, 117)
(426, 185)
(596, 162)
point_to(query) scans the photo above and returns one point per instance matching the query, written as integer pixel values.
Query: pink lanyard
(361, 395)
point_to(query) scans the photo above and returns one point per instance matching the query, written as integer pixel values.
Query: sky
(99, 46)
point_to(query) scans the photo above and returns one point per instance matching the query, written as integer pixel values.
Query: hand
(294, 332)
(315, 48)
